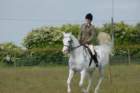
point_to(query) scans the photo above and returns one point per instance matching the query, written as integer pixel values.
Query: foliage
(74, 29)
(43, 37)
(42, 56)
(52, 36)
(10, 49)
(126, 36)
(43, 45)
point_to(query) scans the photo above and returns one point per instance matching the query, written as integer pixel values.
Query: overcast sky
(18, 17)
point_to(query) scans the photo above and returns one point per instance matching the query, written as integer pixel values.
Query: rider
(86, 35)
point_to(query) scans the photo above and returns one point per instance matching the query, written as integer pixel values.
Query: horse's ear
(63, 33)
(70, 33)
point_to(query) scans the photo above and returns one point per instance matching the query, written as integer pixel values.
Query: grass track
(126, 79)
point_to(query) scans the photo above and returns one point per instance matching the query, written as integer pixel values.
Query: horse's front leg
(101, 77)
(83, 75)
(90, 79)
(71, 73)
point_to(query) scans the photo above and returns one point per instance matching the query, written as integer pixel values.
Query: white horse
(80, 58)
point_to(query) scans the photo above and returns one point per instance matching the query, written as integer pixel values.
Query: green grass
(125, 79)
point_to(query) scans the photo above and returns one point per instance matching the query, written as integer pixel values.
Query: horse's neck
(75, 41)
(76, 44)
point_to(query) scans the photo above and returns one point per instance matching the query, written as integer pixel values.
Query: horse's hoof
(69, 91)
(85, 91)
(96, 91)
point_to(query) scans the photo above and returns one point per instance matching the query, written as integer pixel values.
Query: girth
(93, 57)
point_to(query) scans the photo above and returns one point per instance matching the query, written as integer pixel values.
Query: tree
(43, 37)
(74, 29)
(10, 49)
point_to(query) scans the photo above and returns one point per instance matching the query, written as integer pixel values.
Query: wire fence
(32, 61)
(38, 56)
(122, 54)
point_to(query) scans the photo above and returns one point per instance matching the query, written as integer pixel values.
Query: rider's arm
(80, 33)
(92, 32)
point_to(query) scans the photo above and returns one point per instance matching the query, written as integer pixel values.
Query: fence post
(129, 56)
(110, 71)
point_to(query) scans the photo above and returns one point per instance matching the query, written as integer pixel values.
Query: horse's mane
(75, 39)
(104, 38)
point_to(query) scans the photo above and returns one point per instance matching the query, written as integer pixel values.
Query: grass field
(52, 79)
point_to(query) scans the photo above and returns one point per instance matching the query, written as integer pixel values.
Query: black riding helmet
(89, 16)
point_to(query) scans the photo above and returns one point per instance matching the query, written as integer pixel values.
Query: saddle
(93, 57)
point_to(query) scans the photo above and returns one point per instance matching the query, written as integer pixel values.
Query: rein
(73, 47)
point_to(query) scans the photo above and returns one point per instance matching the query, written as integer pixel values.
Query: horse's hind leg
(101, 73)
(71, 73)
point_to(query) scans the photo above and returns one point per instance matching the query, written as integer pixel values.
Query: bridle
(70, 47)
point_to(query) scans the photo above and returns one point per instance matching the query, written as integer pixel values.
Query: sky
(18, 17)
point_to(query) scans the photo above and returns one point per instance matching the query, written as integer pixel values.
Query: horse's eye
(70, 41)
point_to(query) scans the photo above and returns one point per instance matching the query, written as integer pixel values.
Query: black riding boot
(95, 59)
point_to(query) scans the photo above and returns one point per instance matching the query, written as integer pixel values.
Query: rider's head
(88, 18)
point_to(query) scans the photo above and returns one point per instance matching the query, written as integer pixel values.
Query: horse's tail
(105, 39)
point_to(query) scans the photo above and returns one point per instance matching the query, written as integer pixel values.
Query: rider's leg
(94, 54)
(91, 48)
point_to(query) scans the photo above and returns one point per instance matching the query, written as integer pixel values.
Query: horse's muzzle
(65, 50)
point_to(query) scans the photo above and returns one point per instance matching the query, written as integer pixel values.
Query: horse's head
(67, 42)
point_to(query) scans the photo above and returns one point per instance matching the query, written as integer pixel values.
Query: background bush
(43, 45)
(42, 56)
